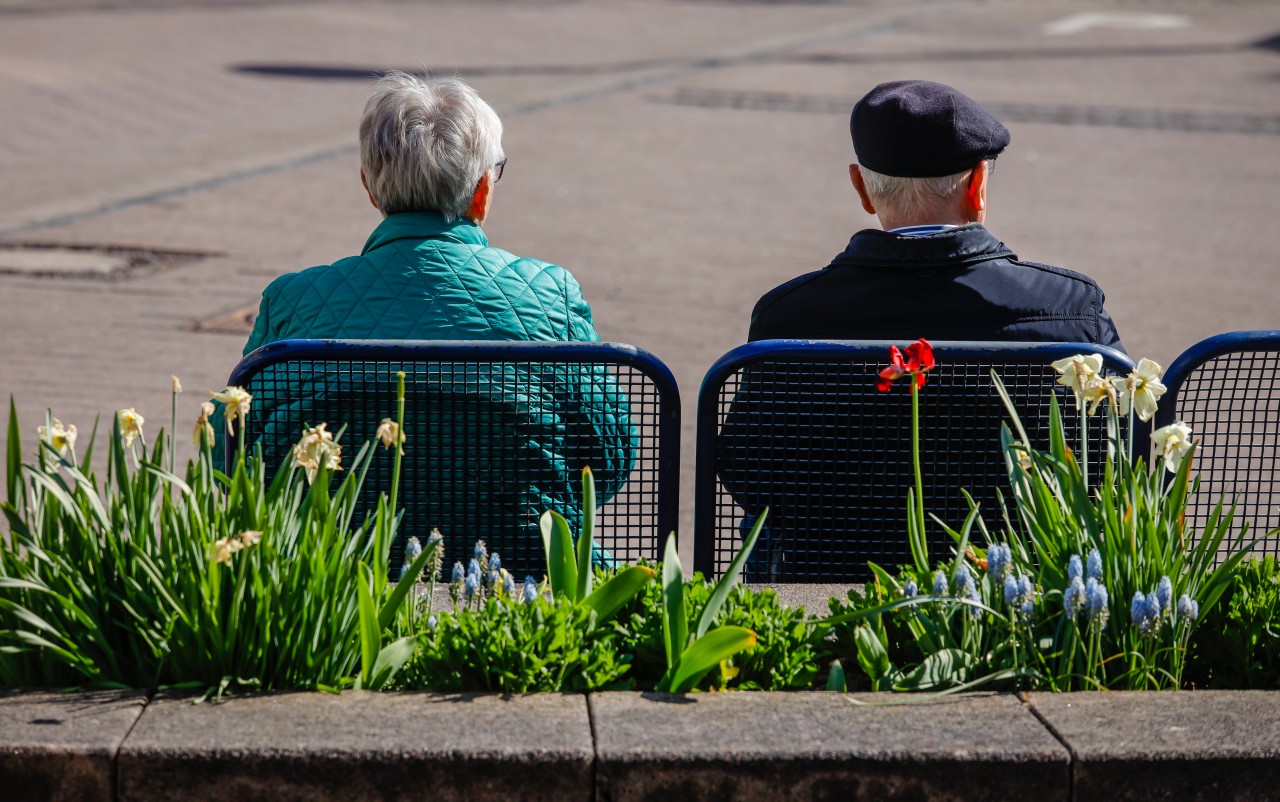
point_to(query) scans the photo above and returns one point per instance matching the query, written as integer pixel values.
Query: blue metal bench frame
(1219, 386)
(714, 542)
(661, 431)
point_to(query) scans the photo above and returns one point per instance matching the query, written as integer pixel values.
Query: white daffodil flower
(1096, 390)
(175, 384)
(250, 538)
(204, 433)
(224, 548)
(236, 404)
(1141, 389)
(1172, 443)
(130, 425)
(390, 434)
(1076, 371)
(317, 448)
(61, 437)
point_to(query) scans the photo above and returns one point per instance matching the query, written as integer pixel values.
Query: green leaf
(941, 669)
(370, 631)
(706, 653)
(390, 660)
(675, 625)
(561, 569)
(730, 578)
(584, 538)
(872, 655)
(396, 598)
(13, 457)
(614, 594)
(835, 678)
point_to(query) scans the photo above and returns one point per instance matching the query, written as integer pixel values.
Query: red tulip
(919, 361)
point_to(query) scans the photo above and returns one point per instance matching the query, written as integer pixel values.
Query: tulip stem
(395, 473)
(915, 454)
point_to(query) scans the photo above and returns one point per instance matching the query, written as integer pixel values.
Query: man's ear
(975, 194)
(478, 211)
(855, 175)
(365, 183)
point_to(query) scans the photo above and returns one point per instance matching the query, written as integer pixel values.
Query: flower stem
(915, 456)
(395, 473)
(1084, 447)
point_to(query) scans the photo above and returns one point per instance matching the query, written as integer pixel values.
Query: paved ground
(680, 157)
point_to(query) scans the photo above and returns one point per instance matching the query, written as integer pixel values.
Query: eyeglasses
(498, 168)
(991, 164)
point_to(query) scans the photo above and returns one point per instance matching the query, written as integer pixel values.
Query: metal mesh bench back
(497, 434)
(1227, 388)
(799, 426)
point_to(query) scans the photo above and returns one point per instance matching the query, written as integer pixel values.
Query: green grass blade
(402, 588)
(588, 532)
(730, 578)
(13, 457)
(675, 624)
(370, 631)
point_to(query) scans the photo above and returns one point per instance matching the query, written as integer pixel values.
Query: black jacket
(960, 284)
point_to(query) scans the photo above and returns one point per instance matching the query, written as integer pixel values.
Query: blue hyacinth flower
(1075, 569)
(1093, 566)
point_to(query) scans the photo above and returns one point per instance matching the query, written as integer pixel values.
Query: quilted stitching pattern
(422, 278)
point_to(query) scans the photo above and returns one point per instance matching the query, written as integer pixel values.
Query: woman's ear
(478, 211)
(365, 183)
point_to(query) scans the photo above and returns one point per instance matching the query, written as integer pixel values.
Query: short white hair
(425, 143)
(900, 196)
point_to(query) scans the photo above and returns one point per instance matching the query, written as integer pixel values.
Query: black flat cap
(920, 129)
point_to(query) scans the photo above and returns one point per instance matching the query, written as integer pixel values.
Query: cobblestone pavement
(680, 157)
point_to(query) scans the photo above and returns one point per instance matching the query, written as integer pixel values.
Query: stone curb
(623, 746)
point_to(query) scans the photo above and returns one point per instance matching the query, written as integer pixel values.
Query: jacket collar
(955, 247)
(424, 225)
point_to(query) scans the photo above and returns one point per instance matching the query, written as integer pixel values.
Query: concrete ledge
(819, 745)
(61, 746)
(103, 745)
(357, 746)
(1209, 745)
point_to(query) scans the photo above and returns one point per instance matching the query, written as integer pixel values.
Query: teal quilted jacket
(422, 278)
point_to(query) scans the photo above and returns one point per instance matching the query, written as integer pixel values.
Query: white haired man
(503, 444)
(925, 154)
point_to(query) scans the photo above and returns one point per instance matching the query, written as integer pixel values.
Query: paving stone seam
(1072, 758)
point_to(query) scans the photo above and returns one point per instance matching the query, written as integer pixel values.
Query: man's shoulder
(298, 281)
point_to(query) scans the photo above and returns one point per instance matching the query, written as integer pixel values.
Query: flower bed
(230, 583)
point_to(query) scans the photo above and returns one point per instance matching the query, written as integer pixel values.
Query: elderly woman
(497, 446)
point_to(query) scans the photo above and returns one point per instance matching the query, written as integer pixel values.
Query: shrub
(1238, 644)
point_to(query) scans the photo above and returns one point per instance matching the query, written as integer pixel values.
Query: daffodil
(1077, 372)
(1096, 390)
(224, 548)
(61, 437)
(236, 402)
(1172, 443)
(250, 538)
(175, 384)
(130, 423)
(317, 448)
(204, 433)
(1142, 389)
(390, 434)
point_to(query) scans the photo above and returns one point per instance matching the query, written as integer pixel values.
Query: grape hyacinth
(437, 558)
(1093, 566)
(1075, 570)
(999, 560)
(939, 583)
(495, 562)
(471, 588)
(1188, 608)
(508, 585)
(1028, 596)
(910, 589)
(1073, 599)
(530, 590)
(1096, 601)
(1164, 592)
(1012, 589)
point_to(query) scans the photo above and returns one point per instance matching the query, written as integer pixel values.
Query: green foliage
(1238, 643)
(1039, 631)
(147, 579)
(549, 645)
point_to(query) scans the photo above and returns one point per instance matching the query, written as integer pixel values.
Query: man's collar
(920, 231)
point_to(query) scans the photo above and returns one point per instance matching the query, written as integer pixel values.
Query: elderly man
(499, 445)
(926, 153)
